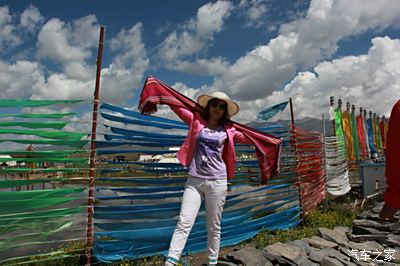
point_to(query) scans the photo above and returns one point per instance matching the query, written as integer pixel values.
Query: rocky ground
(370, 241)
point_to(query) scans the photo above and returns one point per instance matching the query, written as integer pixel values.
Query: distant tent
(7, 163)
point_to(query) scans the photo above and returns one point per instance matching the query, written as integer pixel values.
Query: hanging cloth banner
(55, 125)
(339, 128)
(15, 183)
(37, 194)
(33, 103)
(150, 152)
(45, 134)
(62, 153)
(347, 131)
(365, 128)
(71, 143)
(7, 206)
(353, 125)
(266, 114)
(47, 160)
(139, 115)
(371, 136)
(141, 138)
(382, 129)
(141, 122)
(373, 121)
(132, 133)
(51, 116)
(361, 136)
(40, 170)
(378, 136)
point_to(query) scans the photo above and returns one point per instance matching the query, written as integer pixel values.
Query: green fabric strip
(15, 183)
(12, 218)
(378, 136)
(55, 125)
(62, 153)
(27, 204)
(47, 160)
(45, 134)
(70, 143)
(33, 103)
(41, 170)
(354, 135)
(37, 194)
(51, 116)
(339, 128)
(10, 241)
(43, 225)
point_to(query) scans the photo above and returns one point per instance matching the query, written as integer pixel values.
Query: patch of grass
(329, 215)
(65, 255)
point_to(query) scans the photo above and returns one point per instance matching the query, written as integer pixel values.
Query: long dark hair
(206, 113)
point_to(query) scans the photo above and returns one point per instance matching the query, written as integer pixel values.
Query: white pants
(196, 189)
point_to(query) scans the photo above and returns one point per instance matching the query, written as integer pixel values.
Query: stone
(364, 238)
(328, 261)
(333, 236)
(342, 231)
(307, 262)
(303, 245)
(319, 242)
(286, 251)
(248, 256)
(368, 245)
(363, 215)
(379, 225)
(316, 255)
(393, 240)
(376, 209)
(227, 263)
(361, 230)
(278, 260)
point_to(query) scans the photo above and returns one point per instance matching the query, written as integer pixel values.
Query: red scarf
(268, 148)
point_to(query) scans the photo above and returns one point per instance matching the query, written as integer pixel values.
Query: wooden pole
(331, 103)
(291, 112)
(89, 232)
(293, 142)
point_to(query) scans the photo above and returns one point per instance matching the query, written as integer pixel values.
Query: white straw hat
(233, 108)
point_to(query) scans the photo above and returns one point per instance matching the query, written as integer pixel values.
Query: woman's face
(217, 108)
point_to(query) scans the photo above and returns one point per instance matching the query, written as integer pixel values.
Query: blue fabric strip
(138, 115)
(132, 133)
(152, 152)
(142, 122)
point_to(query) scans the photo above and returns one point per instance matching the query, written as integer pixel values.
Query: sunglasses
(219, 105)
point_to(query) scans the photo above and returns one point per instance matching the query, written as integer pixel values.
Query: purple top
(207, 161)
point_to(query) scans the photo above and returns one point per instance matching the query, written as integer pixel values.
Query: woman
(209, 154)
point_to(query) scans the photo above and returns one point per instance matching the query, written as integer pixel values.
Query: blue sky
(260, 52)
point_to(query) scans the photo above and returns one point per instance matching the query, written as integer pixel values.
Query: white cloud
(303, 43)
(371, 81)
(128, 66)
(254, 12)
(31, 18)
(196, 35)
(70, 44)
(213, 66)
(8, 33)
(16, 79)
(58, 86)
(210, 18)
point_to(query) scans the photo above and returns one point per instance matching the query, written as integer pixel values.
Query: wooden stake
(89, 232)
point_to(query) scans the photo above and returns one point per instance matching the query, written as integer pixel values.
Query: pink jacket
(267, 147)
(196, 123)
